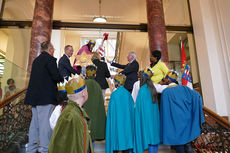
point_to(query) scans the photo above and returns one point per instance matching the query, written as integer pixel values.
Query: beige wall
(0, 5)
(72, 38)
(3, 40)
(211, 24)
(176, 12)
(193, 58)
(174, 52)
(137, 42)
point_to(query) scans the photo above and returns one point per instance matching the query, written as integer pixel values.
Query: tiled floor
(100, 148)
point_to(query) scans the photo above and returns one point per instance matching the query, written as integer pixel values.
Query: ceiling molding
(69, 25)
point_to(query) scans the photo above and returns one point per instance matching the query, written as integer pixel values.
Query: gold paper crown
(90, 72)
(120, 79)
(92, 42)
(148, 72)
(75, 85)
(61, 86)
(172, 75)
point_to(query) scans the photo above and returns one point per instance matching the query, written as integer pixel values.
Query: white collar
(171, 84)
(132, 61)
(67, 55)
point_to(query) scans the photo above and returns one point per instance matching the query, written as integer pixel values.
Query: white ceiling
(116, 11)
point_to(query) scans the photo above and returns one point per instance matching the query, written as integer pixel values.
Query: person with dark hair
(94, 106)
(147, 118)
(136, 87)
(130, 70)
(102, 72)
(64, 65)
(9, 82)
(159, 68)
(181, 115)
(11, 88)
(62, 102)
(42, 96)
(103, 59)
(120, 119)
(87, 49)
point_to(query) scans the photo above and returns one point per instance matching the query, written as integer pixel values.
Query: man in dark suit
(102, 72)
(42, 96)
(64, 65)
(130, 70)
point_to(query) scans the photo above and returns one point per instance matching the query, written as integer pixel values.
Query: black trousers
(124, 151)
(187, 148)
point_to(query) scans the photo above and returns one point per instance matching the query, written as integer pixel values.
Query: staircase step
(100, 148)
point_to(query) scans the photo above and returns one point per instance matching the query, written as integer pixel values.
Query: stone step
(100, 148)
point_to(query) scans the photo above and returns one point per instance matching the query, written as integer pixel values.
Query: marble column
(41, 27)
(156, 28)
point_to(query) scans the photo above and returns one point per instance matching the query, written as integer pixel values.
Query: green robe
(71, 133)
(95, 108)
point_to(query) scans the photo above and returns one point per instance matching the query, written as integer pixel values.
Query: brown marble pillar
(156, 28)
(41, 27)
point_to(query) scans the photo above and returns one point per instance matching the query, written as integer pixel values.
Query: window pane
(14, 55)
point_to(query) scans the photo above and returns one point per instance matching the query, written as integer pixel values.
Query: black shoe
(188, 148)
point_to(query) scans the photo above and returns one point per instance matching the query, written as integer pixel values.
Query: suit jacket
(42, 89)
(65, 67)
(130, 71)
(102, 73)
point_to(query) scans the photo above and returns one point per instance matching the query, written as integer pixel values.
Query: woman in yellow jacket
(160, 69)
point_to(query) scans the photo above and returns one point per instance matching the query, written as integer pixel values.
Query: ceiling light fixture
(100, 18)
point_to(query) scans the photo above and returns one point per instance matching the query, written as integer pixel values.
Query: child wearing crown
(62, 102)
(181, 114)
(71, 133)
(147, 122)
(136, 86)
(94, 106)
(120, 119)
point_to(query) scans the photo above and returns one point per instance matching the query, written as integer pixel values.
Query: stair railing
(15, 121)
(215, 134)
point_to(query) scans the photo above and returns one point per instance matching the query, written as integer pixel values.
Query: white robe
(136, 88)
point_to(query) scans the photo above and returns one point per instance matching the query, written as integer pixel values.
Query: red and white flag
(101, 49)
(186, 77)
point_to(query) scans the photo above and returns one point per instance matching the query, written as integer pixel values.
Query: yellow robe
(160, 71)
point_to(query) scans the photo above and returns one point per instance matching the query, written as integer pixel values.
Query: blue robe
(181, 115)
(120, 123)
(147, 122)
